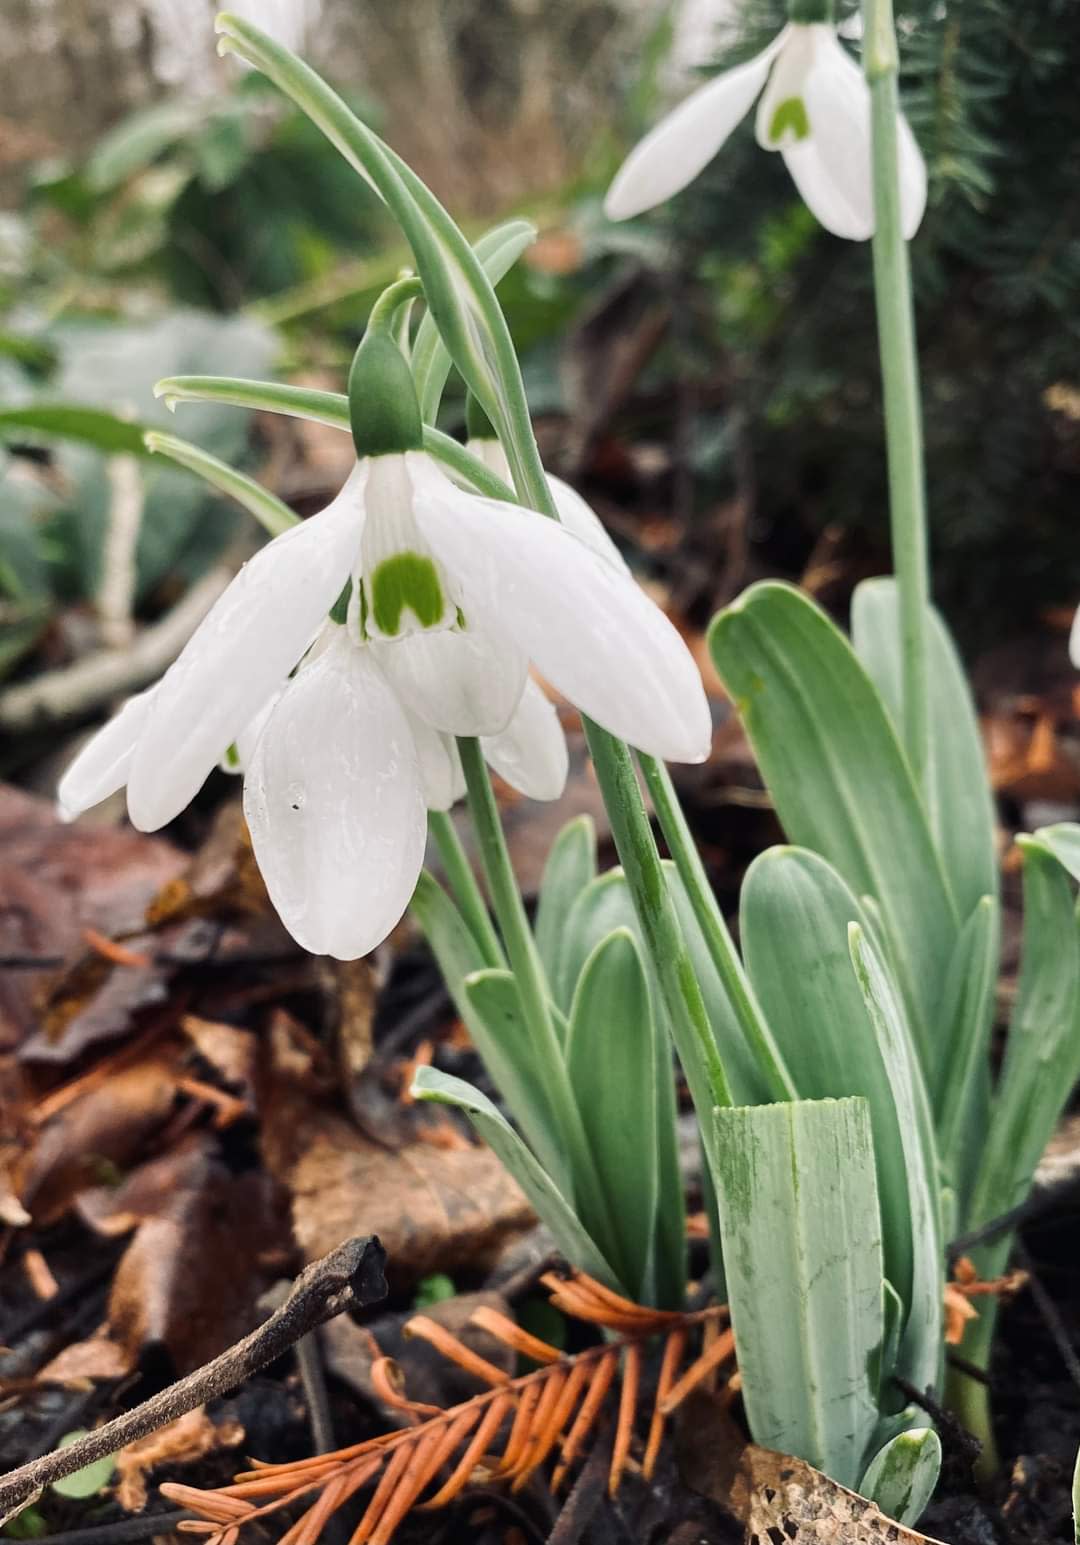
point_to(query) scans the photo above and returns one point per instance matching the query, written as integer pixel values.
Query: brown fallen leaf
(57, 880)
(83, 1363)
(434, 1209)
(187, 1284)
(190, 1437)
(775, 1497)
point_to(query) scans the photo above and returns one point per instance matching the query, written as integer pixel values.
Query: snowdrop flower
(1074, 640)
(451, 597)
(814, 109)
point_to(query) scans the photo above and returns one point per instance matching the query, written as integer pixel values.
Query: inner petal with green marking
(789, 121)
(406, 582)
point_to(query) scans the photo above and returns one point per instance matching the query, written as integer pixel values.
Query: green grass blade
(802, 1246)
(842, 787)
(961, 806)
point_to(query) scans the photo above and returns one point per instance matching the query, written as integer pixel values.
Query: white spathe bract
(814, 109)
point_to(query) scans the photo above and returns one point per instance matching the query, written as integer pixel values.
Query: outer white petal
(574, 513)
(591, 631)
(531, 752)
(101, 767)
(831, 167)
(912, 179)
(241, 653)
(1074, 640)
(580, 518)
(684, 142)
(335, 807)
(441, 772)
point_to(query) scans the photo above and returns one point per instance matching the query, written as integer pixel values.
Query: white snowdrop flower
(344, 731)
(1074, 640)
(814, 109)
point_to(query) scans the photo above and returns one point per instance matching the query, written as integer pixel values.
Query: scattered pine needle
(506, 1433)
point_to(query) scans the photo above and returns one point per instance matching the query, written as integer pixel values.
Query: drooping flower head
(814, 109)
(349, 652)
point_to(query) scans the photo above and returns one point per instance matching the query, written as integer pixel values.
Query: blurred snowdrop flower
(814, 109)
(451, 596)
(1074, 640)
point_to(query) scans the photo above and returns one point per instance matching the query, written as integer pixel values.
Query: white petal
(441, 772)
(460, 682)
(574, 513)
(580, 518)
(787, 81)
(531, 752)
(591, 631)
(912, 179)
(241, 653)
(392, 539)
(334, 804)
(684, 142)
(1074, 640)
(831, 166)
(101, 767)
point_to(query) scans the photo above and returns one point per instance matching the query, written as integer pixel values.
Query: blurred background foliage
(708, 372)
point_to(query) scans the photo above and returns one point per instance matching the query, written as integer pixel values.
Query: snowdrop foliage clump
(814, 108)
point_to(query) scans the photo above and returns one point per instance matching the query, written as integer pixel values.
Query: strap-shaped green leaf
(610, 1056)
(961, 1090)
(901, 1476)
(570, 866)
(793, 922)
(498, 250)
(602, 907)
(920, 1355)
(550, 1204)
(961, 807)
(1042, 1053)
(1063, 841)
(802, 1247)
(842, 787)
(488, 1003)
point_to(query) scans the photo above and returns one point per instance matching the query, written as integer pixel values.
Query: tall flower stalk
(900, 380)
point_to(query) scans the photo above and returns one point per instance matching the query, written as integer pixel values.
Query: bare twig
(351, 1275)
(116, 593)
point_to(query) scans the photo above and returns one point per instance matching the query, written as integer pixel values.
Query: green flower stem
(900, 382)
(528, 975)
(466, 892)
(383, 315)
(690, 1027)
(718, 940)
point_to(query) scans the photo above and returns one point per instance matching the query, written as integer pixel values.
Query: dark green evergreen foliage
(992, 90)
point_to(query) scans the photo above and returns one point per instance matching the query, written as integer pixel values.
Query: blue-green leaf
(570, 866)
(802, 1247)
(901, 1476)
(962, 1088)
(961, 806)
(611, 1059)
(841, 784)
(550, 1204)
(920, 1354)
(793, 920)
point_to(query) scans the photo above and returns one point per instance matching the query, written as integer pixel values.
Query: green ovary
(407, 581)
(789, 115)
